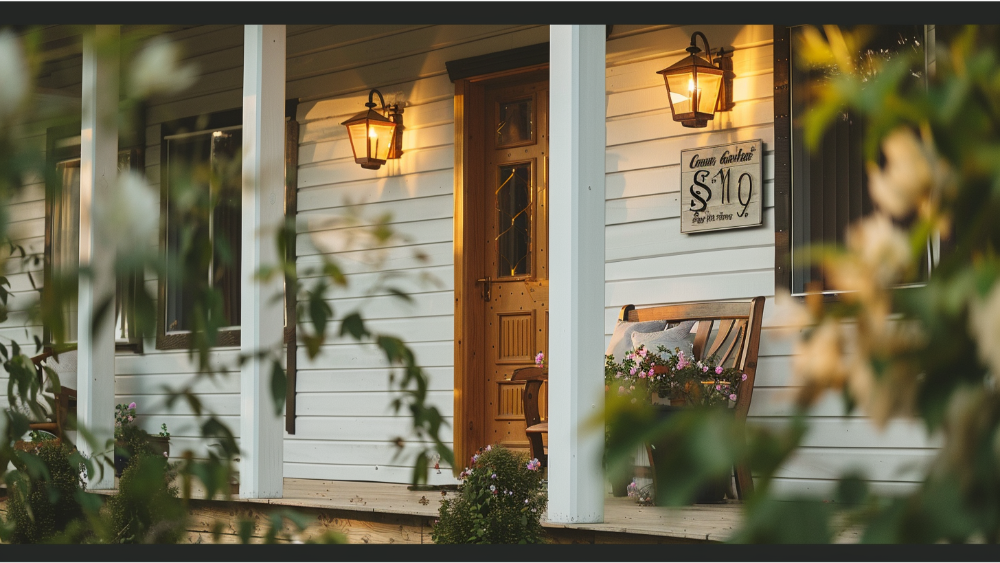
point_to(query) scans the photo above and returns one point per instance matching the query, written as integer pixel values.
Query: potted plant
(130, 439)
(672, 380)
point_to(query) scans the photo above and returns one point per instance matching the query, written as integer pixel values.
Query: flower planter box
(159, 445)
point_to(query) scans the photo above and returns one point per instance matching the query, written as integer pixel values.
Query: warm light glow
(373, 133)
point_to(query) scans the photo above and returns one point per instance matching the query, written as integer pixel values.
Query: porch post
(98, 171)
(576, 271)
(261, 430)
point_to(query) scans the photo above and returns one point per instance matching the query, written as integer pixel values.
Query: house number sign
(722, 187)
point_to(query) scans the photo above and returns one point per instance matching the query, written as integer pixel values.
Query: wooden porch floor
(390, 513)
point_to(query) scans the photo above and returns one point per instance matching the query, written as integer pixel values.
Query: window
(819, 193)
(62, 231)
(201, 162)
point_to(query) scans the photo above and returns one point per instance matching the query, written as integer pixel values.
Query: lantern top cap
(370, 114)
(693, 59)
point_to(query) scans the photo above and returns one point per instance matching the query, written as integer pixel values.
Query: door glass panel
(513, 204)
(515, 122)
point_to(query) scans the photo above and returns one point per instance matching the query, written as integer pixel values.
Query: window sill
(134, 347)
(183, 341)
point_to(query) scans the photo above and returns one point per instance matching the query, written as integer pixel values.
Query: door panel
(516, 240)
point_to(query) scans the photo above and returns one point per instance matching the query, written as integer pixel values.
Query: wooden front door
(514, 277)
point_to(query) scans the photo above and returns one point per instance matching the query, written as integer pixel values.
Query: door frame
(470, 260)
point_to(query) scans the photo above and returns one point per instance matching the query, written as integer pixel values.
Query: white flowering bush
(500, 501)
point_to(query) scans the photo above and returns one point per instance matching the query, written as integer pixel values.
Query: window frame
(56, 151)
(229, 336)
(783, 131)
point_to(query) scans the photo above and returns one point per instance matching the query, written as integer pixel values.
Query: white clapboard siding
(153, 405)
(342, 427)
(662, 179)
(396, 188)
(367, 379)
(420, 280)
(358, 238)
(374, 403)
(334, 471)
(359, 356)
(347, 451)
(411, 210)
(398, 258)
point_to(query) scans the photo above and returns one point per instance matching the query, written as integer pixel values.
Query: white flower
(883, 249)
(907, 177)
(156, 69)
(13, 74)
(984, 323)
(126, 220)
(818, 361)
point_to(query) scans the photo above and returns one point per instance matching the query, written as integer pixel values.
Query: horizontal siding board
(423, 90)
(163, 362)
(705, 262)
(893, 464)
(209, 103)
(227, 404)
(362, 453)
(393, 188)
(397, 258)
(182, 426)
(855, 433)
(346, 170)
(439, 278)
(655, 43)
(827, 488)
(364, 404)
(369, 379)
(367, 428)
(661, 179)
(154, 384)
(336, 471)
(368, 214)
(739, 285)
(361, 356)
(660, 123)
(663, 237)
(667, 150)
(350, 239)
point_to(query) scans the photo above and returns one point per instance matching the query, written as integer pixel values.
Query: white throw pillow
(621, 339)
(677, 337)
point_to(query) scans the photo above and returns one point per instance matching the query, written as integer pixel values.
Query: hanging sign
(722, 187)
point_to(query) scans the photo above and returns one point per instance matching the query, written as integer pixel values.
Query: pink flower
(642, 352)
(642, 374)
(533, 465)
(632, 370)
(130, 419)
(539, 359)
(618, 375)
(131, 405)
(718, 387)
(489, 447)
(718, 370)
(732, 397)
(650, 372)
(704, 369)
(744, 378)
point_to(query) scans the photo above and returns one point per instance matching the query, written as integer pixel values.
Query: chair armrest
(530, 374)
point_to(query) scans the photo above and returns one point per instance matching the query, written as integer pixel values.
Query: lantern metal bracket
(724, 60)
(396, 115)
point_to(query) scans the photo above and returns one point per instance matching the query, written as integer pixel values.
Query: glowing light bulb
(372, 133)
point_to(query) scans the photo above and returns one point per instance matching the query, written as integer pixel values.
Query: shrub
(44, 496)
(146, 508)
(501, 501)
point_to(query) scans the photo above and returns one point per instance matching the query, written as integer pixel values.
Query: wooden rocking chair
(533, 378)
(65, 401)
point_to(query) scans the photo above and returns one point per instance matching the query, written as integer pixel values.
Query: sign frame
(704, 169)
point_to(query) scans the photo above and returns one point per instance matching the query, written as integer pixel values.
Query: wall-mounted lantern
(375, 137)
(697, 87)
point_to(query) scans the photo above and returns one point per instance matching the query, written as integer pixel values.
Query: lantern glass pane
(709, 86)
(682, 91)
(380, 139)
(359, 137)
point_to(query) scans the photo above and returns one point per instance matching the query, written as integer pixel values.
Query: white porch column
(576, 271)
(98, 170)
(261, 431)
